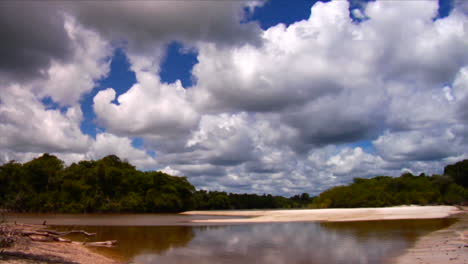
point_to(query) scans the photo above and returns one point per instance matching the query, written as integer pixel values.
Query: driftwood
(109, 243)
(67, 232)
(48, 238)
(46, 235)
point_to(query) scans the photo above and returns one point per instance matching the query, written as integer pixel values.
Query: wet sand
(448, 245)
(330, 215)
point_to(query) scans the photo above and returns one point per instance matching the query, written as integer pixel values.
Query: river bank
(448, 245)
(26, 251)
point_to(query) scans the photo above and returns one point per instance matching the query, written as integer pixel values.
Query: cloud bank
(289, 109)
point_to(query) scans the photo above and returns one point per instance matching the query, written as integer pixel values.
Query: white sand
(331, 215)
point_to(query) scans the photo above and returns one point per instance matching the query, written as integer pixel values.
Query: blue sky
(232, 99)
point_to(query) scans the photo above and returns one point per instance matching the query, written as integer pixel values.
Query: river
(171, 238)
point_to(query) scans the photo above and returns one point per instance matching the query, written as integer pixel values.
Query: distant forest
(450, 188)
(110, 184)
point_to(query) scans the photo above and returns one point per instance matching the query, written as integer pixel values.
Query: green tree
(458, 172)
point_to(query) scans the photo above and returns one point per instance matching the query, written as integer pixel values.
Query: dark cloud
(143, 23)
(332, 121)
(32, 34)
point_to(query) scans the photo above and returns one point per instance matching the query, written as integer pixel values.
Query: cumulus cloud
(89, 62)
(27, 126)
(279, 111)
(148, 108)
(263, 115)
(109, 144)
(419, 145)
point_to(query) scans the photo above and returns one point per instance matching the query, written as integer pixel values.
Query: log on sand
(21, 243)
(47, 235)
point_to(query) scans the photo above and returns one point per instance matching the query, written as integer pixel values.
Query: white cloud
(148, 107)
(351, 159)
(67, 81)
(419, 145)
(108, 144)
(27, 126)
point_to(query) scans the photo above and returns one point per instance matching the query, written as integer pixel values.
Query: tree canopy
(389, 191)
(44, 184)
(110, 184)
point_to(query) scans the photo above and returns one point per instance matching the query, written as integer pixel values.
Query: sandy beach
(448, 245)
(331, 215)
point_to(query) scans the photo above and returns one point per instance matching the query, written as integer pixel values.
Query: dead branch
(46, 235)
(67, 232)
(109, 243)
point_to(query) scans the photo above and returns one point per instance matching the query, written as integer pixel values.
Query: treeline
(205, 200)
(449, 188)
(45, 184)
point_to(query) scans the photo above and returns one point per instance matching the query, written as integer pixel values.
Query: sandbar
(329, 215)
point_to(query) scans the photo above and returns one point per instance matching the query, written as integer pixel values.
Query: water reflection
(171, 239)
(136, 240)
(311, 243)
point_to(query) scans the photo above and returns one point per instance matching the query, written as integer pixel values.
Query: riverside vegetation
(110, 184)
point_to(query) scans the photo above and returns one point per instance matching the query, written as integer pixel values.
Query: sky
(279, 97)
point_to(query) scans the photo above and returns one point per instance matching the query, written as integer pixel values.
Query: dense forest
(449, 188)
(45, 184)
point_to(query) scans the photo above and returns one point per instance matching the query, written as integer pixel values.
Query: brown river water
(171, 238)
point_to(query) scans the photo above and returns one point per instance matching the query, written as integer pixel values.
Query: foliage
(205, 200)
(388, 191)
(458, 172)
(106, 185)
(44, 184)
